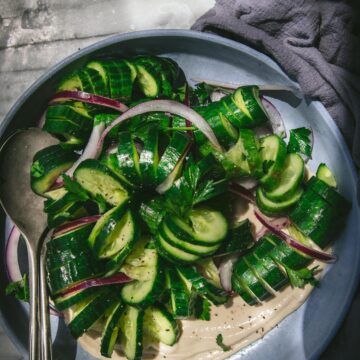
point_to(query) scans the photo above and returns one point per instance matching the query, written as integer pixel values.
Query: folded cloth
(314, 41)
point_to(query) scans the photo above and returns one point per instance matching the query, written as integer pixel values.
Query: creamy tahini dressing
(239, 323)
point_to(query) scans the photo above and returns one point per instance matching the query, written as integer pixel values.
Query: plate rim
(111, 40)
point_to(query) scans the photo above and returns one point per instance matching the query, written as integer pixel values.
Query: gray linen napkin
(313, 41)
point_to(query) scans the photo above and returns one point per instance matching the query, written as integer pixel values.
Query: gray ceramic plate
(305, 333)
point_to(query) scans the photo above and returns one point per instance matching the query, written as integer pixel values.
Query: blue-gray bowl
(305, 333)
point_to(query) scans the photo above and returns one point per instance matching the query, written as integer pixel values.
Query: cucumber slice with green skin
(248, 277)
(149, 157)
(74, 240)
(184, 245)
(261, 272)
(174, 254)
(159, 324)
(202, 286)
(215, 116)
(71, 211)
(99, 180)
(48, 164)
(243, 290)
(208, 226)
(270, 207)
(251, 112)
(251, 151)
(86, 83)
(111, 330)
(70, 273)
(132, 69)
(131, 332)
(56, 259)
(91, 311)
(125, 162)
(286, 255)
(97, 82)
(148, 285)
(104, 236)
(63, 302)
(55, 194)
(316, 218)
(179, 142)
(181, 301)
(129, 235)
(275, 277)
(148, 76)
(273, 155)
(152, 212)
(290, 178)
(70, 82)
(68, 121)
(119, 79)
(239, 238)
(98, 67)
(57, 199)
(329, 194)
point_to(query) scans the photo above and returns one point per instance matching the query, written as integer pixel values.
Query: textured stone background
(36, 34)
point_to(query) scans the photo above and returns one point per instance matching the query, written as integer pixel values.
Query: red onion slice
(226, 270)
(11, 257)
(170, 106)
(316, 254)
(279, 223)
(275, 118)
(63, 229)
(88, 98)
(119, 278)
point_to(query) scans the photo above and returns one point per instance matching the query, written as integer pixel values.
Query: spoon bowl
(25, 209)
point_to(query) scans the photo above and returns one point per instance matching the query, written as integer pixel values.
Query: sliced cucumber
(63, 302)
(273, 155)
(125, 162)
(103, 238)
(181, 300)
(87, 313)
(290, 178)
(270, 207)
(129, 236)
(159, 324)
(148, 76)
(173, 254)
(202, 286)
(184, 245)
(149, 157)
(99, 180)
(149, 278)
(152, 212)
(208, 226)
(48, 164)
(131, 332)
(111, 330)
(178, 144)
(325, 174)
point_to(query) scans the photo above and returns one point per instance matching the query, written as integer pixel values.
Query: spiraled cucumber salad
(140, 195)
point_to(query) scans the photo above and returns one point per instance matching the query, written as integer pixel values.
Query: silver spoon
(25, 209)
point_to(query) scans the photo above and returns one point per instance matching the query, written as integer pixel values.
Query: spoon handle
(46, 343)
(34, 349)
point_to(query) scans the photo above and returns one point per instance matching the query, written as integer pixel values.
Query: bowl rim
(216, 39)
